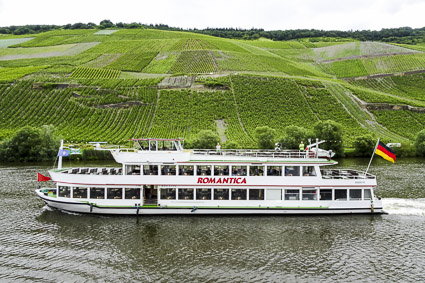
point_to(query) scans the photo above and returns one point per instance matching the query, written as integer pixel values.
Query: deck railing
(256, 153)
(345, 174)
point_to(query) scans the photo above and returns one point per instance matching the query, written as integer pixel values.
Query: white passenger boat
(160, 177)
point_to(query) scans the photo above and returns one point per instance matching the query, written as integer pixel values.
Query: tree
(265, 137)
(420, 143)
(292, 137)
(331, 132)
(231, 145)
(30, 144)
(106, 24)
(206, 139)
(364, 145)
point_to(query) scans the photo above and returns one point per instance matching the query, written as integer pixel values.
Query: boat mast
(60, 155)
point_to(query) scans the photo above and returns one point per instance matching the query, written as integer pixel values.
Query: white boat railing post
(60, 155)
(317, 148)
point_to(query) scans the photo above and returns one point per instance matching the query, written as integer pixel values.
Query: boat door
(150, 195)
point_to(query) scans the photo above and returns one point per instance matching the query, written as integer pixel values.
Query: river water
(41, 244)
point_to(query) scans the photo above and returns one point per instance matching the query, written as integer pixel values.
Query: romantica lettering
(221, 181)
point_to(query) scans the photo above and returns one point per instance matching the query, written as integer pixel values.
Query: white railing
(256, 153)
(345, 174)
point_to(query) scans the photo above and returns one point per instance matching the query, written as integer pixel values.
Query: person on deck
(301, 146)
(218, 147)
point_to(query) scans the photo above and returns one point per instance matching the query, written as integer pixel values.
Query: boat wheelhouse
(160, 177)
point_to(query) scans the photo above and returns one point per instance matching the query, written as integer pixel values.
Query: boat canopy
(149, 144)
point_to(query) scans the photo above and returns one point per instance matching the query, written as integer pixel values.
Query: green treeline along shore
(116, 84)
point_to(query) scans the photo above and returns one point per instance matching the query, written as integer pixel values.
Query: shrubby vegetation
(265, 137)
(400, 35)
(420, 143)
(330, 131)
(364, 145)
(31, 144)
(206, 139)
(292, 137)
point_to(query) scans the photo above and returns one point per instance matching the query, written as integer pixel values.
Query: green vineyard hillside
(116, 85)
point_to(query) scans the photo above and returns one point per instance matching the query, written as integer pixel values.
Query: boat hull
(85, 207)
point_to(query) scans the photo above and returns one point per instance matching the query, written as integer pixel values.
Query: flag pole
(373, 154)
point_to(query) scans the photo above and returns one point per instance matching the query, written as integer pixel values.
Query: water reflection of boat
(160, 177)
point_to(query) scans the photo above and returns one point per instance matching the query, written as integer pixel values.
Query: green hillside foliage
(96, 84)
(409, 86)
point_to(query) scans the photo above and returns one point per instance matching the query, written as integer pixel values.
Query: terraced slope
(108, 85)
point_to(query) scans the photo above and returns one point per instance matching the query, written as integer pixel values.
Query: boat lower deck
(135, 207)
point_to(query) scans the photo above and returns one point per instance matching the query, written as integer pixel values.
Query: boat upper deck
(174, 146)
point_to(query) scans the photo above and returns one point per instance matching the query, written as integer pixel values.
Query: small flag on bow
(42, 178)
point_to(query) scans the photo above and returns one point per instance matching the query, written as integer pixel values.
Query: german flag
(385, 152)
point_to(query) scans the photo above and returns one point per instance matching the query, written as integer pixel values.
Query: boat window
(79, 192)
(114, 193)
(238, 194)
(144, 145)
(292, 194)
(168, 170)
(340, 194)
(239, 170)
(309, 171)
(274, 170)
(186, 170)
(309, 194)
(203, 194)
(64, 192)
(132, 169)
(256, 194)
(221, 170)
(273, 194)
(203, 170)
(153, 145)
(150, 169)
(97, 193)
(166, 146)
(367, 194)
(325, 194)
(186, 194)
(355, 194)
(132, 193)
(221, 194)
(168, 193)
(256, 170)
(292, 170)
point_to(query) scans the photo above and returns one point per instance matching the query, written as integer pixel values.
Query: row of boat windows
(220, 170)
(99, 193)
(265, 194)
(219, 194)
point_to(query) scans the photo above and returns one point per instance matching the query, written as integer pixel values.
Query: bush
(206, 139)
(330, 131)
(265, 137)
(364, 145)
(31, 145)
(231, 145)
(420, 143)
(293, 136)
